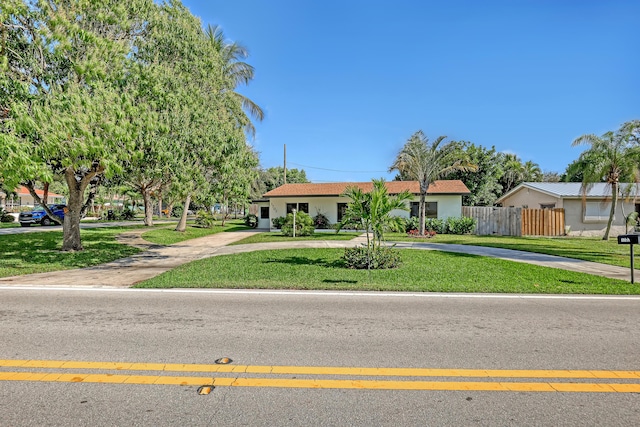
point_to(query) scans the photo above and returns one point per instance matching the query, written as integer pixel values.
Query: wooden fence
(516, 221)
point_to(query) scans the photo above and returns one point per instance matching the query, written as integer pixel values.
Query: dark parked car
(39, 216)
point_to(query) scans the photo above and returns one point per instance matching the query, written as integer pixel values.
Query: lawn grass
(39, 252)
(422, 271)
(585, 248)
(268, 237)
(9, 224)
(168, 235)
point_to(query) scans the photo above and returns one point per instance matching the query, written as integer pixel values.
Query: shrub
(321, 222)
(205, 219)
(127, 214)
(5, 217)
(304, 225)
(412, 223)
(251, 220)
(435, 224)
(278, 222)
(381, 257)
(462, 225)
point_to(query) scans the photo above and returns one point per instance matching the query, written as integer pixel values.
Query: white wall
(448, 206)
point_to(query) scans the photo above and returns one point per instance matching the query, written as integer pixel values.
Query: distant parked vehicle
(39, 216)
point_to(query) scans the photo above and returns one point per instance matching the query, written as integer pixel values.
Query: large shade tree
(427, 161)
(610, 158)
(62, 99)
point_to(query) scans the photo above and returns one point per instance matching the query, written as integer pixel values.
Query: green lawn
(9, 224)
(168, 235)
(40, 252)
(585, 248)
(422, 271)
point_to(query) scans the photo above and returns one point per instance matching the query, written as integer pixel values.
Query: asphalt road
(274, 338)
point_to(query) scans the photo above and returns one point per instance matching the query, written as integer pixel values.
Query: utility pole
(285, 163)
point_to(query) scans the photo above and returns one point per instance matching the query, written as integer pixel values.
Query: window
(342, 208)
(264, 212)
(300, 207)
(431, 212)
(415, 209)
(597, 211)
(547, 205)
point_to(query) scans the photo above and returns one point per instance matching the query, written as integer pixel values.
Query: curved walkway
(157, 259)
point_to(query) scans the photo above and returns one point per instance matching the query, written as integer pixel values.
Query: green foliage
(127, 214)
(412, 223)
(321, 222)
(612, 156)
(205, 218)
(278, 222)
(5, 217)
(303, 225)
(251, 220)
(382, 257)
(435, 224)
(425, 161)
(462, 225)
(483, 183)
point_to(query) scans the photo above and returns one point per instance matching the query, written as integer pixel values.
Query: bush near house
(5, 217)
(278, 222)
(462, 225)
(303, 226)
(321, 222)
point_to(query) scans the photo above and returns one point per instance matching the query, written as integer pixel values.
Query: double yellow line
(593, 381)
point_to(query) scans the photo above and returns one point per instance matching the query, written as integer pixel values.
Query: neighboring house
(23, 199)
(444, 199)
(586, 214)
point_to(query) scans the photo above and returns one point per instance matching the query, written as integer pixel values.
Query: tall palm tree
(531, 172)
(235, 71)
(425, 161)
(612, 156)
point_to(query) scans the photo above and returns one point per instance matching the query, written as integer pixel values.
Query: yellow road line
(320, 370)
(323, 384)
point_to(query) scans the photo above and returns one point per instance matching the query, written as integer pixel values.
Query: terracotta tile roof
(338, 188)
(23, 191)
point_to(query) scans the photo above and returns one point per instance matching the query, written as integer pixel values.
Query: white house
(586, 214)
(444, 199)
(23, 199)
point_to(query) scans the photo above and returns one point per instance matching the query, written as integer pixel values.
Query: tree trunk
(182, 224)
(148, 206)
(71, 227)
(614, 197)
(160, 205)
(421, 215)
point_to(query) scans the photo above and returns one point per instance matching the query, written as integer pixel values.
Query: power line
(335, 170)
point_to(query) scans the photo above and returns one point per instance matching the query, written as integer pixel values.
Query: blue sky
(344, 83)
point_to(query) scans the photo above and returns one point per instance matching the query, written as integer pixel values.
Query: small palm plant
(372, 212)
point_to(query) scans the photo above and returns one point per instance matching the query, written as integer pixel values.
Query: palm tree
(372, 212)
(612, 156)
(426, 162)
(531, 172)
(235, 71)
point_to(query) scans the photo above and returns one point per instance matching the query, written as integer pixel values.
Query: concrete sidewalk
(157, 259)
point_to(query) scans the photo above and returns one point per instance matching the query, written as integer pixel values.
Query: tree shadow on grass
(300, 260)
